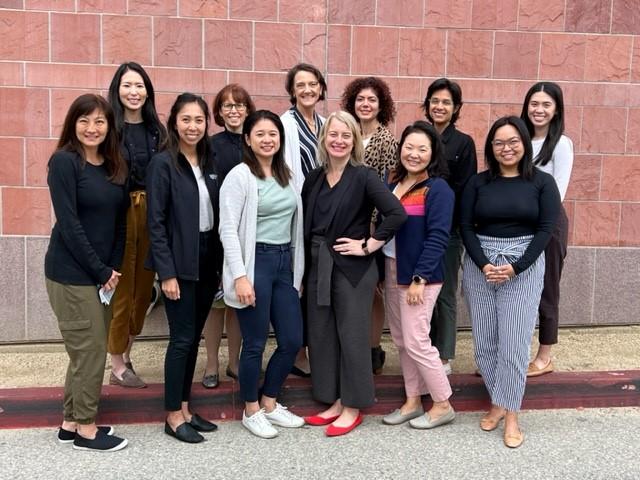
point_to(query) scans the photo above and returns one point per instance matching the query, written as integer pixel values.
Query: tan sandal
(489, 424)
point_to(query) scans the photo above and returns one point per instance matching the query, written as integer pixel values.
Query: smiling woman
(185, 251)
(507, 215)
(261, 230)
(86, 178)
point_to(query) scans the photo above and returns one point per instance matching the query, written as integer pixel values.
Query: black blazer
(363, 192)
(173, 220)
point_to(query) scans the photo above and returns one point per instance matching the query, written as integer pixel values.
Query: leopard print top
(381, 151)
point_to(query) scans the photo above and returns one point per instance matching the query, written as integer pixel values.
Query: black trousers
(187, 317)
(554, 255)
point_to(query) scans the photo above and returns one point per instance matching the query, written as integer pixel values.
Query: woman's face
(191, 124)
(339, 140)
(441, 107)
(367, 105)
(132, 91)
(92, 129)
(306, 90)
(264, 139)
(415, 153)
(507, 148)
(233, 113)
(541, 109)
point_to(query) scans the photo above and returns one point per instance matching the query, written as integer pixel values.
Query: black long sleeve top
(139, 144)
(87, 240)
(509, 207)
(460, 152)
(227, 152)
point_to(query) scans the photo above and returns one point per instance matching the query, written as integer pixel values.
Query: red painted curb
(42, 407)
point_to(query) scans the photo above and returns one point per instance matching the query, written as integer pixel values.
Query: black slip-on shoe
(68, 436)
(102, 442)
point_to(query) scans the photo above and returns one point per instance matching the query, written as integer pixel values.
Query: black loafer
(299, 372)
(202, 425)
(185, 433)
(230, 374)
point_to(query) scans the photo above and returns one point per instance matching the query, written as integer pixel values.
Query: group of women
(291, 219)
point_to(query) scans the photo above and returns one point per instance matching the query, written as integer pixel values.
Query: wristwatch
(419, 280)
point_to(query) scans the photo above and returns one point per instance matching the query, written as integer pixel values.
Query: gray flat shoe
(210, 381)
(129, 380)
(424, 422)
(397, 418)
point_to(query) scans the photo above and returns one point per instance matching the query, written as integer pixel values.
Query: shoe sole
(278, 424)
(120, 446)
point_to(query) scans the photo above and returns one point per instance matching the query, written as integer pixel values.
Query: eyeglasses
(512, 143)
(436, 101)
(240, 107)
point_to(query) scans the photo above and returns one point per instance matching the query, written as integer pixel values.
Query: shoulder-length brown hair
(109, 148)
(237, 94)
(279, 168)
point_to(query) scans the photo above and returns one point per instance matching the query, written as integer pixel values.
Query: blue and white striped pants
(503, 318)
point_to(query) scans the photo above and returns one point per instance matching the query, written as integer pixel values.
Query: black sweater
(139, 144)
(173, 204)
(227, 152)
(87, 240)
(509, 207)
(460, 152)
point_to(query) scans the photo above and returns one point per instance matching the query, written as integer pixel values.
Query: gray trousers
(338, 334)
(503, 318)
(84, 324)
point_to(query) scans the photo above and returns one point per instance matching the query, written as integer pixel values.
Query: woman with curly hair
(369, 100)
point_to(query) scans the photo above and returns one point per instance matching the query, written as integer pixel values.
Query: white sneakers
(282, 417)
(261, 423)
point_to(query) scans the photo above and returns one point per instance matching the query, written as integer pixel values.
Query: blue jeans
(277, 304)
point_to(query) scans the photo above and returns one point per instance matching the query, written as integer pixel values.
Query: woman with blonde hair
(339, 198)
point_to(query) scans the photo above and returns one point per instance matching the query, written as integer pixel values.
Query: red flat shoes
(318, 421)
(333, 431)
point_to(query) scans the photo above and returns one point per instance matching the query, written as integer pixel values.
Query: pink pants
(410, 324)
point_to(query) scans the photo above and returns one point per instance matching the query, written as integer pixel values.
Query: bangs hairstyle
(456, 96)
(149, 114)
(109, 148)
(525, 166)
(387, 108)
(556, 126)
(173, 139)
(279, 168)
(238, 94)
(304, 67)
(357, 153)
(437, 166)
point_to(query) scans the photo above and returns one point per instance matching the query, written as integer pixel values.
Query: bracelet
(365, 249)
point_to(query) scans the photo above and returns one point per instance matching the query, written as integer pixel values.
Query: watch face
(417, 279)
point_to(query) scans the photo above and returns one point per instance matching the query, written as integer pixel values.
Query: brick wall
(51, 51)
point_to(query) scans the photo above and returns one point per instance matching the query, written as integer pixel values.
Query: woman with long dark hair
(369, 100)
(183, 223)
(415, 272)
(86, 178)
(230, 109)
(261, 231)
(543, 114)
(132, 98)
(508, 213)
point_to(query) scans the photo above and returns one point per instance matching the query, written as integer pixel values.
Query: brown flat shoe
(514, 440)
(129, 380)
(534, 371)
(489, 424)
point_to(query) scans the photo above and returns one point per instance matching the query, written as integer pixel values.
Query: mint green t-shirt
(276, 206)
